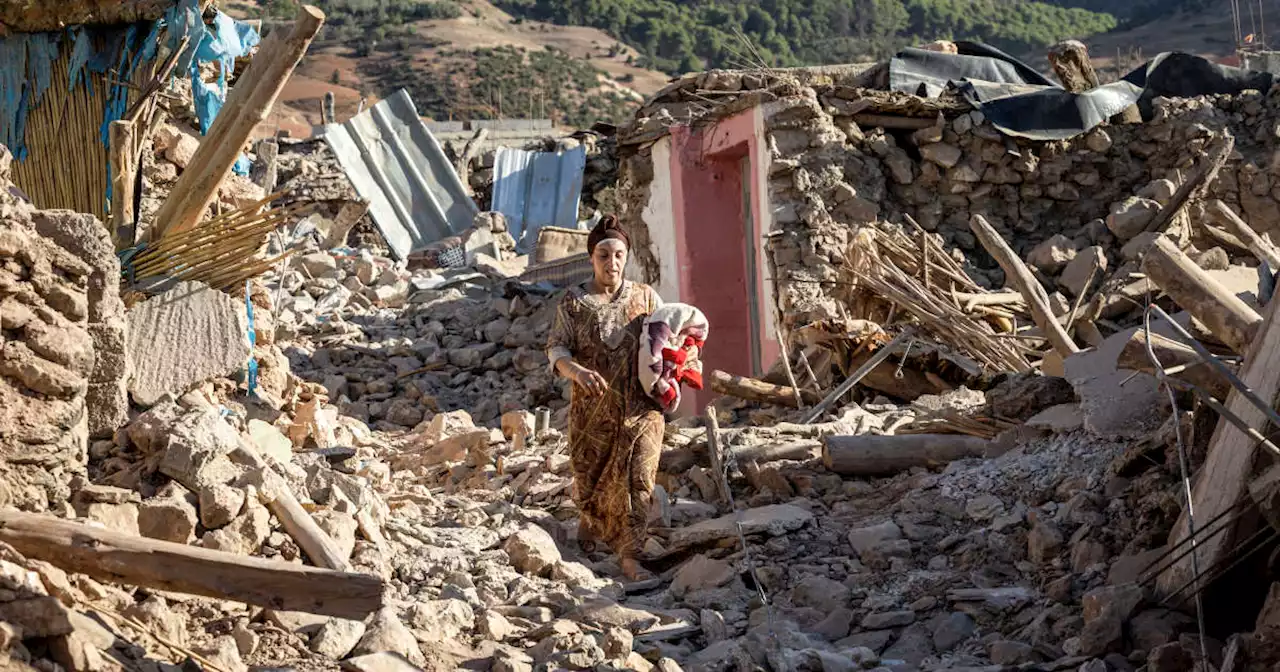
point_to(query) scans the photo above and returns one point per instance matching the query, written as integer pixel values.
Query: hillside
(459, 60)
(578, 61)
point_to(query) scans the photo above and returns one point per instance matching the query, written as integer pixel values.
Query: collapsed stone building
(382, 443)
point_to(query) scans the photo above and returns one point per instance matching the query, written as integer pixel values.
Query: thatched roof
(36, 16)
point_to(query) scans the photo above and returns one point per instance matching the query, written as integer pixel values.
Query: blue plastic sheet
(26, 65)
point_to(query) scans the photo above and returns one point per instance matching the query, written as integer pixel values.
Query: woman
(615, 429)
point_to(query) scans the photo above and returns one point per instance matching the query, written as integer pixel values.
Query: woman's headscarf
(607, 228)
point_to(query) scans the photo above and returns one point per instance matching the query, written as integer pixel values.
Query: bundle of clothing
(670, 353)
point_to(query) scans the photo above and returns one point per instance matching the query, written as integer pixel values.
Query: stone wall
(1085, 197)
(62, 368)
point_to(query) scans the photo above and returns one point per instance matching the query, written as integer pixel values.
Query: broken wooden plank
(888, 455)
(248, 105)
(107, 555)
(1257, 245)
(1225, 477)
(716, 452)
(1171, 354)
(867, 120)
(1025, 282)
(1226, 315)
(753, 389)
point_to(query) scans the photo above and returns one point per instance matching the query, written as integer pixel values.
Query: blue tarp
(26, 66)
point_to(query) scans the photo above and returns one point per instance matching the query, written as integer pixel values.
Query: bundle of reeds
(913, 274)
(222, 252)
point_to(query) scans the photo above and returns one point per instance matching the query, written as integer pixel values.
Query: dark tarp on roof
(1022, 102)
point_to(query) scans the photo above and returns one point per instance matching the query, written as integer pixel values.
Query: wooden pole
(1071, 62)
(150, 563)
(275, 493)
(1224, 478)
(786, 366)
(1184, 360)
(124, 169)
(247, 106)
(1022, 279)
(1259, 246)
(716, 454)
(1206, 171)
(1227, 317)
(753, 389)
(855, 378)
(328, 112)
(887, 455)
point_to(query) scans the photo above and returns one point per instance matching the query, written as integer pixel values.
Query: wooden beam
(1025, 282)
(107, 555)
(1228, 466)
(124, 171)
(716, 452)
(1172, 354)
(888, 455)
(1071, 62)
(1226, 315)
(867, 120)
(1206, 170)
(248, 105)
(753, 389)
(1257, 245)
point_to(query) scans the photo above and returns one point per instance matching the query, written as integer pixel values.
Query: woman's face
(608, 260)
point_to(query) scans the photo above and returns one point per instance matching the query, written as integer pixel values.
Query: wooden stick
(753, 389)
(1224, 478)
(887, 455)
(715, 451)
(1171, 354)
(247, 106)
(874, 361)
(1226, 315)
(123, 177)
(150, 563)
(1026, 283)
(1206, 170)
(786, 366)
(1259, 246)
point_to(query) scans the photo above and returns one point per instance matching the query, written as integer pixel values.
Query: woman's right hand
(591, 382)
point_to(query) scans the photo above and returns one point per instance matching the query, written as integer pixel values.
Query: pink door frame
(717, 244)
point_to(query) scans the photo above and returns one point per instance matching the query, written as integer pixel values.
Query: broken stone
(183, 337)
(866, 538)
(774, 520)
(168, 519)
(219, 505)
(1131, 216)
(1053, 254)
(532, 550)
(888, 619)
(946, 156)
(1085, 270)
(386, 634)
(701, 573)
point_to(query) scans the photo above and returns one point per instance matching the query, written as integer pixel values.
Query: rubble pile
(1073, 209)
(392, 346)
(390, 433)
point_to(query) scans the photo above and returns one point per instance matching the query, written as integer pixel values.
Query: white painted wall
(659, 217)
(760, 192)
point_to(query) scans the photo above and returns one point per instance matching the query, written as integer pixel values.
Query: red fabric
(677, 360)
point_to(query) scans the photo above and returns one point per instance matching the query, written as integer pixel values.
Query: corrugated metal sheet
(537, 189)
(395, 163)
